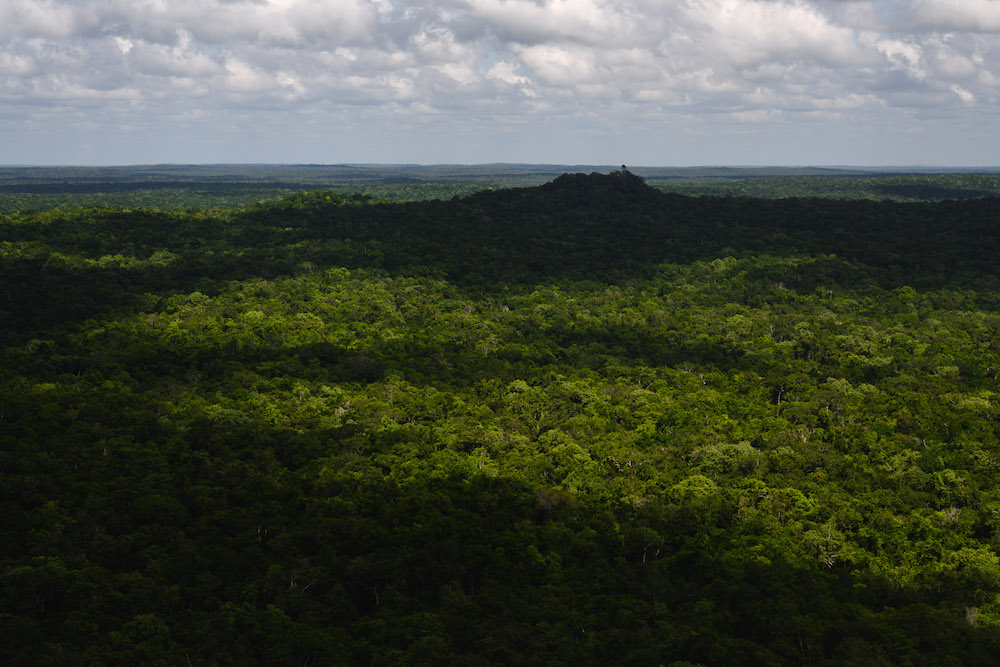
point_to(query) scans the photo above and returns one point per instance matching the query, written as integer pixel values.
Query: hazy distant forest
(220, 186)
(499, 415)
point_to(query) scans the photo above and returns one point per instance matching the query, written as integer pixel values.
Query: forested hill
(584, 423)
(614, 226)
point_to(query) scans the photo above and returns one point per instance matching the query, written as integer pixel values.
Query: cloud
(531, 23)
(959, 15)
(753, 32)
(747, 61)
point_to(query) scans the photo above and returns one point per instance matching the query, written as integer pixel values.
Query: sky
(641, 82)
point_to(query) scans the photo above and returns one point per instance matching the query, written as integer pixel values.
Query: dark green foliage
(584, 423)
(216, 186)
(904, 187)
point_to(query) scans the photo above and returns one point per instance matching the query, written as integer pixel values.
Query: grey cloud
(758, 59)
(947, 15)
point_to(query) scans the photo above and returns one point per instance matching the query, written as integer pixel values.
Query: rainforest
(585, 421)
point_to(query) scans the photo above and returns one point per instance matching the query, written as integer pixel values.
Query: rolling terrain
(586, 421)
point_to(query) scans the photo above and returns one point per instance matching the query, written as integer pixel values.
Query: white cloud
(291, 83)
(903, 55)
(561, 65)
(461, 73)
(124, 44)
(243, 77)
(507, 72)
(963, 94)
(16, 65)
(751, 32)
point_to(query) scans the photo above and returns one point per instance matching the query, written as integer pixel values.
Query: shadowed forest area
(588, 421)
